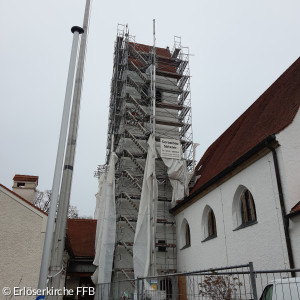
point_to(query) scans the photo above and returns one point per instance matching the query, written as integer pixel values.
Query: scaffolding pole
(58, 247)
(59, 162)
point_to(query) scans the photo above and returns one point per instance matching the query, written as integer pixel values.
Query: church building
(245, 204)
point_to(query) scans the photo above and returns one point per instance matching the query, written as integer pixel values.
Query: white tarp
(148, 202)
(99, 215)
(179, 176)
(106, 229)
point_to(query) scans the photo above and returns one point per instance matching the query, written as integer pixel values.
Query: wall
(27, 191)
(22, 236)
(289, 165)
(295, 237)
(263, 242)
(289, 162)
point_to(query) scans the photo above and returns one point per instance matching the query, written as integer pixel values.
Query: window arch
(243, 208)
(209, 225)
(248, 212)
(185, 234)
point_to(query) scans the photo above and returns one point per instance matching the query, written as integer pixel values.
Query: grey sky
(239, 48)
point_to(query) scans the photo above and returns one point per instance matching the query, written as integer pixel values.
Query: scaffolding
(130, 123)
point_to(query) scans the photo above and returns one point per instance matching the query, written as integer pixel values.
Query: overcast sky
(239, 47)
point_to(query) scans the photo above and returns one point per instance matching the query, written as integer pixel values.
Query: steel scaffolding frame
(130, 121)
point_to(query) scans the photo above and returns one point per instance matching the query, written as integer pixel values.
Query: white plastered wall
(22, 236)
(289, 164)
(262, 243)
(295, 239)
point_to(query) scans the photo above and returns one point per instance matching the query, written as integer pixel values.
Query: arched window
(243, 208)
(248, 212)
(187, 235)
(211, 224)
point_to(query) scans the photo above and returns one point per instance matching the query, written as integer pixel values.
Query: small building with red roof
(23, 227)
(80, 244)
(22, 233)
(244, 205)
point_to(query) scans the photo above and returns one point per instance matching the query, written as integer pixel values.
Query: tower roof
(166, 64)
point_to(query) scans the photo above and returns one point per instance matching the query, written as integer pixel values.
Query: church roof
(295, 210)
(273, 111)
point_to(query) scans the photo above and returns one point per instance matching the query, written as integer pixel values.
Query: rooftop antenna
(153, 211)
(153, 88)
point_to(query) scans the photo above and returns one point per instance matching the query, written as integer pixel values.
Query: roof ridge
(23, 199)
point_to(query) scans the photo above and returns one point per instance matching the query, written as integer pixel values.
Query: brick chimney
(25, 186)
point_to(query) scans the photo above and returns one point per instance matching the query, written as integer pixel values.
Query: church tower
(150, 97)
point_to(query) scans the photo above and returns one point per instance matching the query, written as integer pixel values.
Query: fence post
(174, 285)
(253, 281)
(137, 288)
(142, 290)
(117, 289)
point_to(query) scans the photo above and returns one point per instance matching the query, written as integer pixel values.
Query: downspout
(283, 211)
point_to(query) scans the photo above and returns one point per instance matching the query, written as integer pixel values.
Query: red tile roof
(23, 199)
(81, 234)
(30, 178)
(273, 111)
(295, 209)
(165, 52)
(165, 61)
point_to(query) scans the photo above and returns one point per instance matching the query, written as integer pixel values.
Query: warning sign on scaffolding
(170, 148)
(153, 283)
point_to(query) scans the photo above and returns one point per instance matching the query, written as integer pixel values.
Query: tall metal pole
(153, 204)
(59, 161)
(154, 81)
(64, 199)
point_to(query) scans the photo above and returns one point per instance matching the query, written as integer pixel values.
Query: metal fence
(238, 282)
